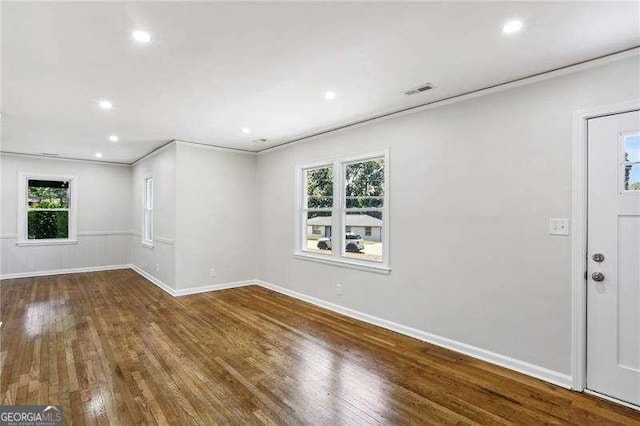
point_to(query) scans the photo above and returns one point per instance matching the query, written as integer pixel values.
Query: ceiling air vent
(420, 89)
(259, 141)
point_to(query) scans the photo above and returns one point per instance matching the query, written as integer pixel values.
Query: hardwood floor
(113, 348)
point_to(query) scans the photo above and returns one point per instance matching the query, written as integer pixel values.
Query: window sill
(46, 242)
(147, 244)
(377, 269)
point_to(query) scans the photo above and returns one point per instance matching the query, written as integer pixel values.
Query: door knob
(597, 276)
(598, 257)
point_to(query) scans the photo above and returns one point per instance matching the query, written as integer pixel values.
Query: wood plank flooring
(114, 349)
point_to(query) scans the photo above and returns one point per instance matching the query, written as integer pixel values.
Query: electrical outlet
(157, 267)
(338, 289)
(558, 226)
(212, 273)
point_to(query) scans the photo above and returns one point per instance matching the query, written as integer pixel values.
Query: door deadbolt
(597, 276)
(598, 257)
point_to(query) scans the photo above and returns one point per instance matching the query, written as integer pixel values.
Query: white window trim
(23, 240)
(145, 242)
(623, 163)
(337, 257)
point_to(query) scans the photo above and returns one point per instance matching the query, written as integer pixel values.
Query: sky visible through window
(632, 149)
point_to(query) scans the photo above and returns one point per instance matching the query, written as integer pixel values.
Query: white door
(613, 276)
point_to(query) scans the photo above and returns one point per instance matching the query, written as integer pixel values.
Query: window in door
(631, 162)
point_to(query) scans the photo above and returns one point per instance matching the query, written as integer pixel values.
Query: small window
(367, 231)
(46, 209)
(147, 234)
(348, 229)
(631, 160)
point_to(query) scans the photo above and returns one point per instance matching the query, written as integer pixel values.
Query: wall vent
(420, 89)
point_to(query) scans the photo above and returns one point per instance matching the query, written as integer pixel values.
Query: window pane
(632, 177)
(319, 187)
(365, 184)
(318, 232)
(364, 240)
(47, 224)
(48, 194)
(148, 225)
(148, 193)
(632, 148)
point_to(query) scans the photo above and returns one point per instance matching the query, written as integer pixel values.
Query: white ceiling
(213, 68)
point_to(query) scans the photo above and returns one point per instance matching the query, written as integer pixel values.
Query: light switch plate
(558, 226)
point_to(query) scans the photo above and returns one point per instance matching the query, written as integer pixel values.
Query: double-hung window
(343, 212)
(147, 219)
(47, 209)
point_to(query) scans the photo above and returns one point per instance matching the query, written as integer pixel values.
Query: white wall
(158, 261)
(473, 185)
(215, 212)
(104, 197)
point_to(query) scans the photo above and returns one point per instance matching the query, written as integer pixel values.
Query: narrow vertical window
(147, 235)
(631, 162)
(317, 210)
(363, 208)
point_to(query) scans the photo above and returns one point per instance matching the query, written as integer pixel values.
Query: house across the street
(369, 227)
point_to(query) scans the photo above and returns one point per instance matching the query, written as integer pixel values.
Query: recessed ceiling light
(98, 155)
(246, 130)
(105, 104)
(329, 95)
(114, 138)
(141, 36)
(512, 27)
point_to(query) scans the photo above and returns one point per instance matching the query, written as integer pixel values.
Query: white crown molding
(50, 157)
(500, 87)
(545, 75)
(551, 376)
(215, 147)
(153, 152)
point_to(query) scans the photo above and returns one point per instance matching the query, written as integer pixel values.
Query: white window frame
(338, 215)
(147, 212)
(22, 222)
(623, 163)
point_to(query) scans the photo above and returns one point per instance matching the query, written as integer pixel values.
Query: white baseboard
(212, 287)
(538, 372)
(192, 290)
(153, 279)
(62, 271)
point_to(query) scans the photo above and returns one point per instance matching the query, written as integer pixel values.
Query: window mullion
(336, 218)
